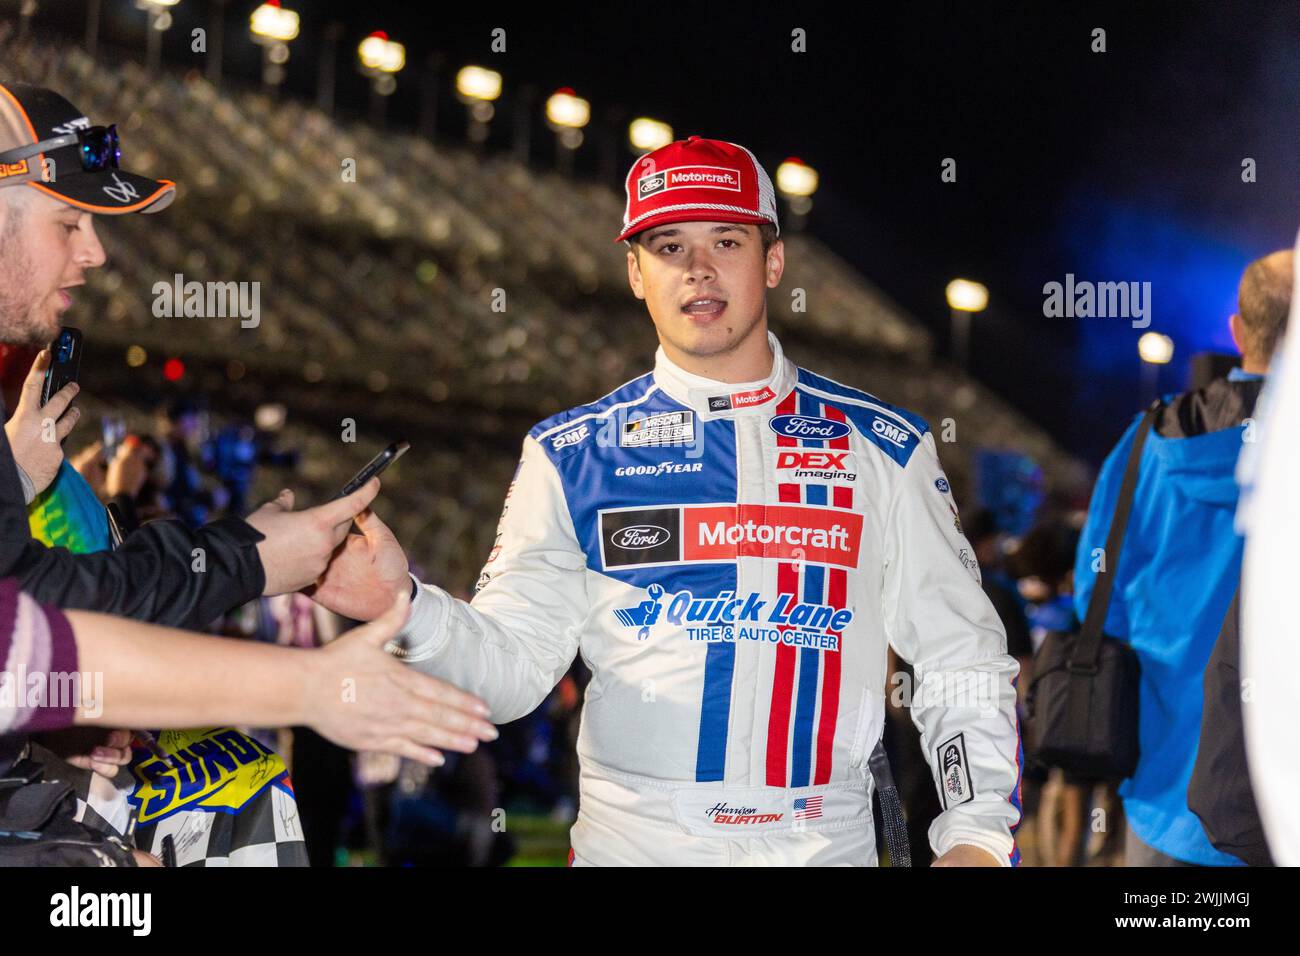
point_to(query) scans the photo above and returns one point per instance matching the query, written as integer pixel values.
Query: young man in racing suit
(732, 543)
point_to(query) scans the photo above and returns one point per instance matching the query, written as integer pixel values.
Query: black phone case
(62, 373)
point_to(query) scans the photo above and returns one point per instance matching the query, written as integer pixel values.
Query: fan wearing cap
(733, 544)
(57, 171)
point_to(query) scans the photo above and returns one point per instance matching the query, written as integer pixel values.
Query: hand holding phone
(65, 362)
(375, 467)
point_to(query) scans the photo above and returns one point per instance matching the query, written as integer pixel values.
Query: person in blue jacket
(1180, 566)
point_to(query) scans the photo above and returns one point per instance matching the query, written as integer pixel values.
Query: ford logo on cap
(639, 537)
(807, 426)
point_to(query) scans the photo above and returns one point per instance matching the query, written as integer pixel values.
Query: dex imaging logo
(804, 465)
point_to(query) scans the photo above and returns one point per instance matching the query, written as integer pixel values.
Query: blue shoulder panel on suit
(895, 431)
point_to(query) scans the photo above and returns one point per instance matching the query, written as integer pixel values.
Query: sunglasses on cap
(99, 147)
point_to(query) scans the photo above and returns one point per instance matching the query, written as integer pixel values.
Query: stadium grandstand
(449, 295)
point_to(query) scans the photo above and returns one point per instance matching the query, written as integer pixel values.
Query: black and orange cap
(30, 115)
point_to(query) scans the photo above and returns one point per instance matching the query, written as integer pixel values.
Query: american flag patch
(807, 808)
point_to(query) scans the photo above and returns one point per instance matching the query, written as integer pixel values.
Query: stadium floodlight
(381, 60)
(567, 113)
(964, 298)
(1155, 349)
(381, 55)
(477, 87)
(566, 110)
(478, 83)
(272, 27)
(272, 23)
(796, 179)
(160, 21)
(646, 135)
(967, 296)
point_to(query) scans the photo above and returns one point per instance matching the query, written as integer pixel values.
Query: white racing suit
(732, 562)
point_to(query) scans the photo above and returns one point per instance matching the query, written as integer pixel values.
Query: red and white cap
(697, 180)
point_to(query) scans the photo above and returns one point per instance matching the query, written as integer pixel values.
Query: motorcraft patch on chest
(954, 772)
(666, 428)
(684, 534)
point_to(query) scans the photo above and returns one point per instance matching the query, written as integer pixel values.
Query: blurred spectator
(188, 496)
(987, 539)
(1042, 563)
(1180, 568)
(233, 456)
(1270, 658)
(1222, 791)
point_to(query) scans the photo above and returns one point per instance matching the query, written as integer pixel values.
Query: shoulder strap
(1088, 646)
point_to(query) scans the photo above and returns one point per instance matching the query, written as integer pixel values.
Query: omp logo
(807, 426)
(571, 437)
(19, 168)
(640, 537)
(723, 533)
(890, 432)
(650, 184)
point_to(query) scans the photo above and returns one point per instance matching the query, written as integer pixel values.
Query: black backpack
(1083, 699)
(37, 825)
(1220, 792)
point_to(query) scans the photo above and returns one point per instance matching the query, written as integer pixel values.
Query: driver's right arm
(519, 635)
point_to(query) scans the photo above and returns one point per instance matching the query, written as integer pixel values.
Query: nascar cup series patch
(666, 428)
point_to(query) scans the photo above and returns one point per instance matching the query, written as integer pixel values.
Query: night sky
(1115, 166)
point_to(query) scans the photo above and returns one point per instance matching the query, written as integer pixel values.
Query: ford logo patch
(808, 426)
(639, 537)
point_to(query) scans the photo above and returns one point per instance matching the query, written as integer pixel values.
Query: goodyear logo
(213, 769)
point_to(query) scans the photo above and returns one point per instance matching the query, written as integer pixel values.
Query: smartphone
(113, 430)
(376, 467)
(65, 362)
(117, 524)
